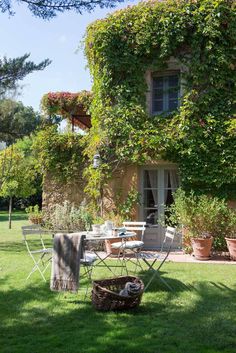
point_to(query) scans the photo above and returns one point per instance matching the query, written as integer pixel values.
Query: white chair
(35, 245)
(162, 256)
(87, 262)
(132, 246)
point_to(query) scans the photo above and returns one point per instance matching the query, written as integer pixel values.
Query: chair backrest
(168, 239)
(33, 237)
(136, 226)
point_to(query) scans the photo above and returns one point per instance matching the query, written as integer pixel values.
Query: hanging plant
(66, 103)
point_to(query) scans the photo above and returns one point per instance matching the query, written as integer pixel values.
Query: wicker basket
(105, 294)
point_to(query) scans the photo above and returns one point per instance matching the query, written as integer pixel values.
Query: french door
(158, 186)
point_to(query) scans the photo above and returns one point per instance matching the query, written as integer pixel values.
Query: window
(165, 93)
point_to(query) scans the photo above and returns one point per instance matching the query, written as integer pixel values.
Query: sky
(59, 40)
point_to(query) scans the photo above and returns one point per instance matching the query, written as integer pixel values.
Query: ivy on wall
(200, 135)
(59, 154)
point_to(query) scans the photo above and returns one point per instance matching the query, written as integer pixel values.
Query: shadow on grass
(14, 247)
(201, 320)
(15, 216)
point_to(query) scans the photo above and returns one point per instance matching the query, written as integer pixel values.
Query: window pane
(173, 81)
(173, 93)
(173, 104)
(158, 94)
(151, 216)
(158, 106)
(158, 82)
(171, 179)
(165, 95)
(150, 179)
(150, 198)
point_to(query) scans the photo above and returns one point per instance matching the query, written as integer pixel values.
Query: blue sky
(58, 40)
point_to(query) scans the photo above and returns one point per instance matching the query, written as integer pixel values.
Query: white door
(157, 187)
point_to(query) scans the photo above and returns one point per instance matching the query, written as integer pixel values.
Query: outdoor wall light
(96, 161)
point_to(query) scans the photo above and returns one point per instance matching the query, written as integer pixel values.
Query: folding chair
(87, 262)
(40, 254)
(133, 246)
(162, 256)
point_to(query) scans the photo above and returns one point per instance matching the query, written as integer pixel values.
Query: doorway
(157, 188)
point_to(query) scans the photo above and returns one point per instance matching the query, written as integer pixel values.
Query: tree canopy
(14, 70)
(47, 9)
(20, 181)
(16, 120)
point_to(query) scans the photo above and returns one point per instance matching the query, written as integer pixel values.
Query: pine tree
(14, 70)
(47, 9)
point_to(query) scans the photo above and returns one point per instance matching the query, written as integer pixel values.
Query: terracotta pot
(108, 247)
(231, 244)
(202, 248)
(36, 220)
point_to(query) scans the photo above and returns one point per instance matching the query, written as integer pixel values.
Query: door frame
(158, 230)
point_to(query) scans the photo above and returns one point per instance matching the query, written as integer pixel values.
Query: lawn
(198, 317)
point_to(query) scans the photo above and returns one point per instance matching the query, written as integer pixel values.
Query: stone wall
(56, 192)
(124, 179)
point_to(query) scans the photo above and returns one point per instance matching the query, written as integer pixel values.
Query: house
(162, 113)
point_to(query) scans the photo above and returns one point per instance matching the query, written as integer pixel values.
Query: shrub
(202, 216)
(67, 217)
(34, 214)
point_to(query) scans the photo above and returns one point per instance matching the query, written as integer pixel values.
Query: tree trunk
(10, 211)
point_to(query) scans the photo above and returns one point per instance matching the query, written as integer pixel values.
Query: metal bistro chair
(35, 245)
(162, 256)
(87, 262)
(133, 246)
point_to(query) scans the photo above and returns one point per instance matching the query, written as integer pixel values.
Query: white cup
(96, 228)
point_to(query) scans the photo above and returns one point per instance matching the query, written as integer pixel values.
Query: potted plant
(230, 233)
(198, 217)
(35, 216)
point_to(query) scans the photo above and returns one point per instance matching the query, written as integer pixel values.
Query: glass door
(158, 186)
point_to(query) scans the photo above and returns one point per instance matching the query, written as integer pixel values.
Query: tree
(21, 180)
(14, 70)
(47, 9)
(16, 120)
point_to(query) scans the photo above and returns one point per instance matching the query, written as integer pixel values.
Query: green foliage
(67, 217)
(34, 213)
(14, 70)
(200, 135)
(202, 216)
(47, 9)
(59, 153)
(16, 120)
(19, 176)
(125, 209)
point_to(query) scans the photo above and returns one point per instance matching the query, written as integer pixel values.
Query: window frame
(164, 74)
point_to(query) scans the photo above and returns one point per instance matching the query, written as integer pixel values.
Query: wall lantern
(96, 161)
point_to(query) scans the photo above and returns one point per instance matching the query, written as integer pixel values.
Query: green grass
(198, 317)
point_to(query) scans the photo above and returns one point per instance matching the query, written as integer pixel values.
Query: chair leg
(35, 268)
(89, 275)
(156, 273)
(101, 260)
(135, 261)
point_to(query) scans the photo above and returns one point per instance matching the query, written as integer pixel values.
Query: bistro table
(90, 236)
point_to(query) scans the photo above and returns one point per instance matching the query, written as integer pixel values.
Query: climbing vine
(200, 135)
(59, 154)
